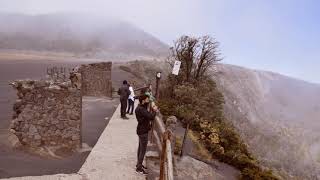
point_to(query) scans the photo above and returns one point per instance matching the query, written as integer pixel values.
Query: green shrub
(201, 105)
(254, 174)
(199, 148)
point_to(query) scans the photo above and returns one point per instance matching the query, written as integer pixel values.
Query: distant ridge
(81, 34)
(276, 115)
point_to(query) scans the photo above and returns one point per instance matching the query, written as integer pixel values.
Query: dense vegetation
(202, 103)
(194, 99)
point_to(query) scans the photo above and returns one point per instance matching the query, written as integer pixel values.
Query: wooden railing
(163, 137)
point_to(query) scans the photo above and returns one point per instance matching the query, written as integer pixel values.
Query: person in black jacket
(144, 118)
(124, 94)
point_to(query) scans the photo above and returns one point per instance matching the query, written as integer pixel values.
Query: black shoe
(141, 171)
(125, 117)
(131, 113)
(143, 167)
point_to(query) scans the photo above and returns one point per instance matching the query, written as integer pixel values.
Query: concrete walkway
(113, 157)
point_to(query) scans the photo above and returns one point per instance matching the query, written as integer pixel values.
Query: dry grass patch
(200, 149)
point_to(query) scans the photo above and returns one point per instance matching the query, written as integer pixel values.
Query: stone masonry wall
(96, 79)
(47, 113)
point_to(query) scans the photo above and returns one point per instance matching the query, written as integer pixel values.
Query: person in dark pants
(144, 118)
(131, 100)
(124, 94)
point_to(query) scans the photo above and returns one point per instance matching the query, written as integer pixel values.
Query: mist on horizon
(268, 35)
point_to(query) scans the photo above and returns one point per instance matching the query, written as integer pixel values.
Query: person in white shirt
(131, 100)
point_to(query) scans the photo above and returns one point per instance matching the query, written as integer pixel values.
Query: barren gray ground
(16, 163)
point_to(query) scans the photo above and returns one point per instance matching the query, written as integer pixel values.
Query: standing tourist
(124, 95)
(144, 118)
(131, 100)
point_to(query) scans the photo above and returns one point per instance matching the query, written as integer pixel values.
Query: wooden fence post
(171, 124)
(166, 166)
(163, 157)
(169, 157)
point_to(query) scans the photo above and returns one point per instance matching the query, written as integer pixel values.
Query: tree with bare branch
(197, 56)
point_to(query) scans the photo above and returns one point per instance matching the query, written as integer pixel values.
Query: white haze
(161, 18)
(280, 36)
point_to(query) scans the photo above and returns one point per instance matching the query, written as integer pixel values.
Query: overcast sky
(277, 35)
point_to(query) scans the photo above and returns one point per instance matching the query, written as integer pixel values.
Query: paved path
(115, 154)
(113, 157)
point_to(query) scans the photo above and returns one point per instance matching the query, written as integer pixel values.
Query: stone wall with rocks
(96, 79)
(47, 114)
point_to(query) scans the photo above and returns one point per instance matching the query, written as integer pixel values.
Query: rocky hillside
(277, 116)
(80, 34)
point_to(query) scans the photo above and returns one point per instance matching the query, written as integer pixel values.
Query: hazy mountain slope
(77, 33)
(278, 116)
